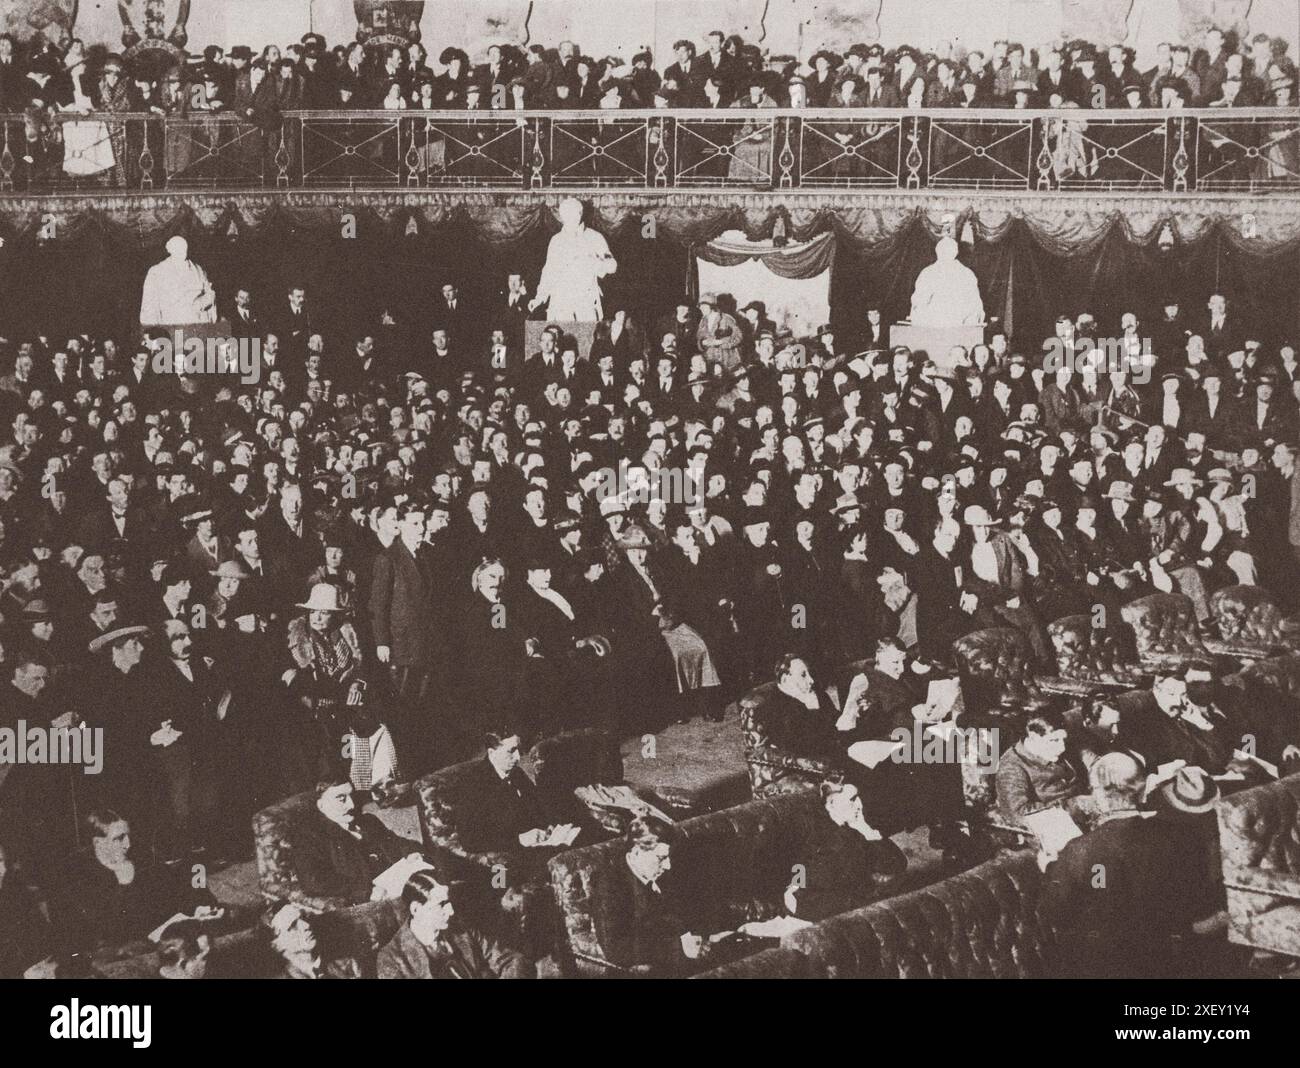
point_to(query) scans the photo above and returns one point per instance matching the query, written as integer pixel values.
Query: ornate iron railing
(1203, 150)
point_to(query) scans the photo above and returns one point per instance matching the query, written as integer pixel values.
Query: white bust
(947, 292)
(576, 260)
(177, 290)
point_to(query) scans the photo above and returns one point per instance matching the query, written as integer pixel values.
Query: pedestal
(935, 341)
(582, 333)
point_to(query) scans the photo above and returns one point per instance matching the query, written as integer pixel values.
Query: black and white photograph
(589, 490)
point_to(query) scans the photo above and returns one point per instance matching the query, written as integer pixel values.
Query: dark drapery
(71, 265)
(806, 261)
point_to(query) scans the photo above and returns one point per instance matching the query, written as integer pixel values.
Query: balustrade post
(789, 163)
(7, 162)
(535, 168)
(1180, 136)
(915, 171)
(662, 132)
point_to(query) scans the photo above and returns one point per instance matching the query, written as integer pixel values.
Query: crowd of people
(720, 71)
(385, 550)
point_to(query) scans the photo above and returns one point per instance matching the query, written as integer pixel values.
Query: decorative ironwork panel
(850, 152)
(491, 149)
(602, 151)
(1247, 153)
(1105, 152)
(736, 153)
(360, 148)
(980, 152)
(213, 152)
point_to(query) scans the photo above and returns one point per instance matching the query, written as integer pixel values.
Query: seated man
(798, 722)
(432, 945)
(338, 854)
(1161, 725)
(840, 873)
(1127, 924)
(504, 809)
(1035, 773)
(670, 931)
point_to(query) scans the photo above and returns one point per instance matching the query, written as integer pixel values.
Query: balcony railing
(854, 150)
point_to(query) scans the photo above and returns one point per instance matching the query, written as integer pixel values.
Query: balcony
(856, 152)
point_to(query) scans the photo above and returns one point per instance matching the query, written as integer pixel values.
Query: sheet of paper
(619, 796)
(871, 753)
(1054, 828)
(392, 881)
(1270, 768)
(777, 927)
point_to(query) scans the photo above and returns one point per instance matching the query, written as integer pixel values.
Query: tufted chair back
(1089, 654)
(273, 836)
(1279, 673)
(768, 776)
(996, 669)
(1259, 835)
(1164, 628)
(740, 859)
(981, 924)
(1248, 623)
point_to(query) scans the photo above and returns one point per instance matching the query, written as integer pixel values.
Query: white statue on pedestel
(576, 260)
(947, 292)
(177, 290)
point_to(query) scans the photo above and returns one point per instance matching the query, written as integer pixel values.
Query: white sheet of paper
(392, 880)
(776, 927)
(1270, 768)
(1054, 828)
(872, 753)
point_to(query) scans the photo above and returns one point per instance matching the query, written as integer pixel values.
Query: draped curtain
(76, 264)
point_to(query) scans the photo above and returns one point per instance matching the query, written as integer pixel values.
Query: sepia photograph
(650, 489)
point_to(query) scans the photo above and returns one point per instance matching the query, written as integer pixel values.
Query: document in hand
(1239, 754)
(390, 882)
(620, 797)
(1054, 829)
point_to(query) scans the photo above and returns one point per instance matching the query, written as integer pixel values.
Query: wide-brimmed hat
(1119, 491)
(112, 637)
(1191, 790)
(230, 569)
(976, 515)
(1220, 474)
(324, 597)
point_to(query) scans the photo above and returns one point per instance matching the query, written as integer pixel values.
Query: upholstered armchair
(1247, 624)
(773, 771)
(559, 765)
(1089, 660)
(1259, 836)
(1164, 629)
(274, 833)
(741, 860)
(1279, 673)
(996, 671)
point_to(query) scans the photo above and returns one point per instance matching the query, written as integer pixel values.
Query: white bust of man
(177, 290)
(947, 292)
(576, 260)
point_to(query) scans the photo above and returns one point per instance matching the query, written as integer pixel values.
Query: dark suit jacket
(332, 863)
(494, 811)
(1125, 927)
(399, 599)
(464, 954)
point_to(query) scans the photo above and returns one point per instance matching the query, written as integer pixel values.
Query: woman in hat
(821, 85)
(327, 670)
